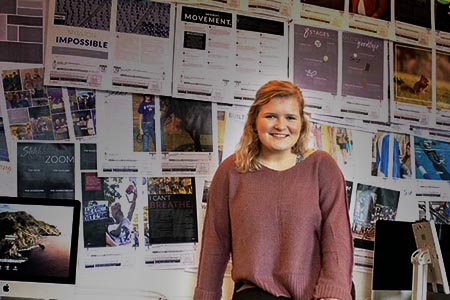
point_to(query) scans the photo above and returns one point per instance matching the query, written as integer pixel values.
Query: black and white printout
(204, 54)
(110, 45)
(261, 55)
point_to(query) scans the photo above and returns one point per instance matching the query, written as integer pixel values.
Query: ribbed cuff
(200, 294)
(332, 291)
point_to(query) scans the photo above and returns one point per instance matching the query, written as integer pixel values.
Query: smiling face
(278, 125)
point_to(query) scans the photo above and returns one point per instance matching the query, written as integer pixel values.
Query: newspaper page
(35, 111)
(374, 21)
(261, 55)
(442, 91)
(110, 221)
(204, 54)
(22, 31)
(411, 92)
(236, 117)
(413, 22)
(371, 201)
(110, 45)
(128, 141)
(431, 153)
(314, 53)
(142, 59)
(171, 222)
(364, 77)
(83, 113)
(278, 8)
(346, 144)
(53, 161)
(188, 137)
(79, 44)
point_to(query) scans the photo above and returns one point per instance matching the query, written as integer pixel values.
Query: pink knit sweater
(288, 231)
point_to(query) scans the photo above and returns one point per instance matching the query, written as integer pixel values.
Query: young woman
(279, 209)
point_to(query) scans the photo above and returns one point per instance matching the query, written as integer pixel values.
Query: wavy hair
(249, 146)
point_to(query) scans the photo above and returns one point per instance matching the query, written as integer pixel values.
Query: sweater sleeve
(336, 238)
(216, 239)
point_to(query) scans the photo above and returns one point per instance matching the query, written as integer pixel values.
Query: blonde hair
(249, 146)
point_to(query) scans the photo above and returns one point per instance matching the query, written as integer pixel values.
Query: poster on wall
(322, 13)
(35, 111)
(171, 223)
(370, 18)
(53, 161)
(188, 137)
(364, 77)
(371, 202)
(224, 57)
(442, 90)
(442, 24)
(110, 218)
(411, 92)
(261, 55)
(431, 157)
(142, 59)
(82, 104)
(79, 44)
(22, 32)
(129, 135)
(280, 8)
(315, 66)
(110, 45)
(413, 22)
(204, 54)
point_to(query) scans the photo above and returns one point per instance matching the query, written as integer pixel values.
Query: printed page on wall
(83, 113)
(225, 4)
(442, 25)
(129, 138)
(413, 22)
(236, 117)
(442, 90)
(143, 48)
(432, 154)
(35, 111)
(411, 90)
(171, 222)
(110, 45)
(364, 77)
(22, 32)
(371, 200)
(204, 54)
(110, 221)
(346, 144)
(279, 8)
(261, 55)
(79, 44)
(314, 66)
(322, 13)
(53, 161)
(188, 137)
(371, 18)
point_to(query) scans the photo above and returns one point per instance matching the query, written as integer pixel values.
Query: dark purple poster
(362, 66)
(315, 58)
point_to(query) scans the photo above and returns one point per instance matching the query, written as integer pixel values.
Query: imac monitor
(38, 247)
(392, 273)
(427, 240)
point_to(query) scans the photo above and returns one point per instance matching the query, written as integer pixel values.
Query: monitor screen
(39, 240)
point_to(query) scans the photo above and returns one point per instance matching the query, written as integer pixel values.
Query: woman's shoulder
(322, 158)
